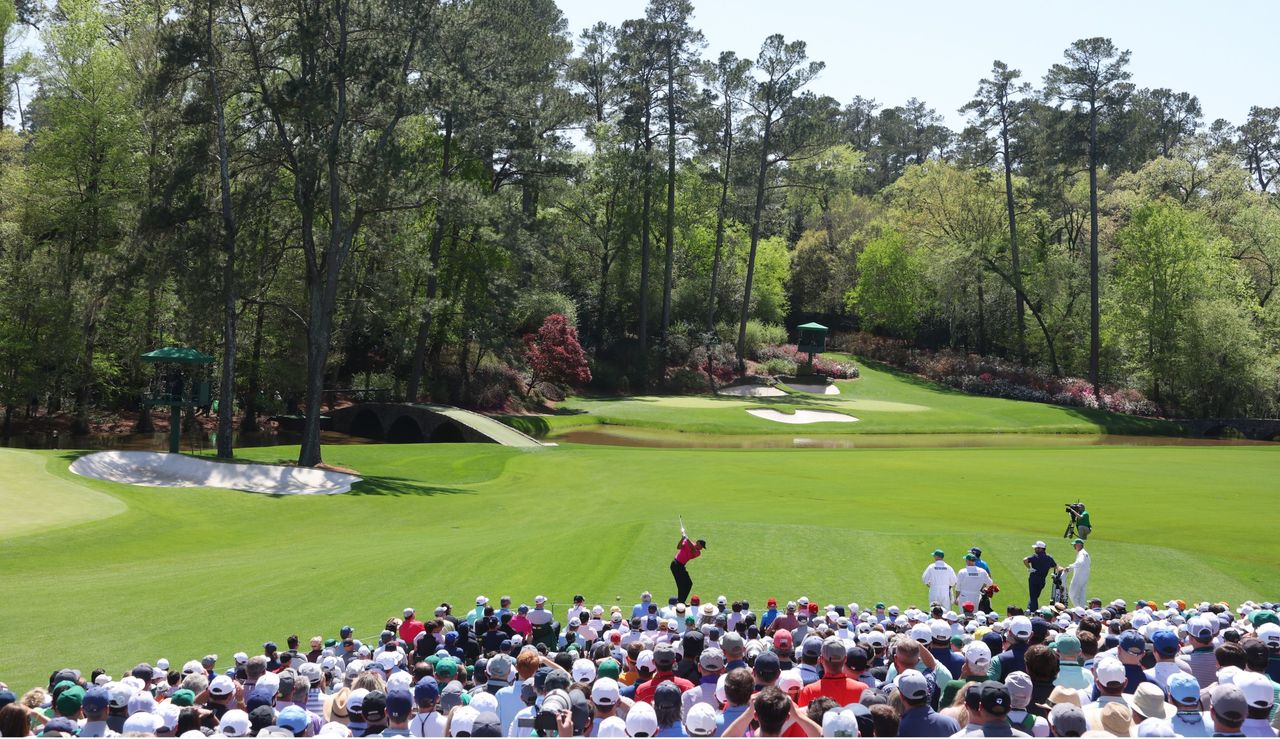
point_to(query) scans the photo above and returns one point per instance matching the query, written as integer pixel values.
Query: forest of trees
(391, 193)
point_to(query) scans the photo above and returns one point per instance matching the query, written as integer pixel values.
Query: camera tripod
(1071, 532)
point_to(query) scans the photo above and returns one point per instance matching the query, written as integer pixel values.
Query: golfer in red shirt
(685, 551)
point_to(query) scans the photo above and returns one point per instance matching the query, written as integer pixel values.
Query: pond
(637, 437)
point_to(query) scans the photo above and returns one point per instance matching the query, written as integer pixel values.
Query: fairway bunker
(813, 389)
(801, 416)
(153, 469)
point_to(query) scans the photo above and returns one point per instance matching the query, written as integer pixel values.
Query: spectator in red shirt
(664, 663)
(411, 627)
(834, 683)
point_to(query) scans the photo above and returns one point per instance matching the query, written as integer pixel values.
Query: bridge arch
(366, 424)
(446, 432)
(405, 430)
(1224, 431)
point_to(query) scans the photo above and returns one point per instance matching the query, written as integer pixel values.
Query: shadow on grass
(399, 486)
(1119, 423)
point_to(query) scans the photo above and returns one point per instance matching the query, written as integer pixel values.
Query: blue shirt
(1041, 565)
(924, 721)
(983, 564)
(767, 618)
(725, 718)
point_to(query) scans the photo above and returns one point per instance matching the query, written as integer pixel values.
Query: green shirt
(1084, 520)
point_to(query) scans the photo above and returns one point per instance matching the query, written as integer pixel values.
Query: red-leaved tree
(554, 354)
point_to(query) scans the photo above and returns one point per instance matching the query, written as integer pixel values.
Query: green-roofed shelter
(178, 355)
(185, 385)
(813, 338)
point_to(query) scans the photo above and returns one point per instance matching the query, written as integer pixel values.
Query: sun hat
(1148, 700)
(1062, 695)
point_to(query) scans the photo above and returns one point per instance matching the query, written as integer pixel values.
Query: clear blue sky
(1223, 51)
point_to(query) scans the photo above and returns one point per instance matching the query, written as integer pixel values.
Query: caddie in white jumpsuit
(941, 579)
(1079, 575)
(971, 580)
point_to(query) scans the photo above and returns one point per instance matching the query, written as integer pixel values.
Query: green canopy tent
(182, 385)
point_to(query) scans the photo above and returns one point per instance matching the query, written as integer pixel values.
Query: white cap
(162, 664)
(977, 654)
(839, 722)
(644, 660)
(484, 702)
(1039, 545)
(481, 600)
(1257, 689)
(1020, 627)
(584, 671)
(408, 612)
(193, 667)
(789, 679)
(922, 633)
(464, 717)
(222, 685)
(142, 723)
(940, 629)
(540, 600)
(1109, 670)
(240, 658)
(1270, 634)
(612, 727)
(388, 660)
(606, 692)
(234, 723)
(642, 720)
(141, 702)
(333, 728)
(701, 720)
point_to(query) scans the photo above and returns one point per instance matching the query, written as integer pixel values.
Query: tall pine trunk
(755, 241)
(1094, 341)
(1013, 244)
(721, 212)
(646, 212)
(669, 231)
(227, 387)
(419, 363)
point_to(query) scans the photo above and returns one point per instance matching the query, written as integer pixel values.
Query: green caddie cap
(938, 553)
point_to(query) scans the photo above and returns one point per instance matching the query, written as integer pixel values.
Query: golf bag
(1058, 593)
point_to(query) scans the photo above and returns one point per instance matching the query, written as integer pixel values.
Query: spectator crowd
(707, 668)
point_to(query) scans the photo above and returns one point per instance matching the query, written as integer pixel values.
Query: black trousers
(1035, 586)
(684, 583)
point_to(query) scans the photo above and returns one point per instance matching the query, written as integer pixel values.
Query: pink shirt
(687, 551)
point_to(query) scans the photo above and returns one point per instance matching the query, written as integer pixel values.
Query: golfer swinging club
(686, 551)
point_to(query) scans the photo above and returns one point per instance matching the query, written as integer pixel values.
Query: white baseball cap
(1020, 627)
(222, 685)
(1039, 545)
(644, 660)
(606, 692)
(789, 679)
(701, 720)
(464, 717)
(1270, 634)
(641, 720)
(584, 671)
(234, 723)
(922, 633)
(540, 600)
(408, 612)
(1109, 670)
(240, 658)
(143, 723)
(977, 654)
(162, 664)
(939, 629)
(482, 600)
(839, 722)
(1257, 689)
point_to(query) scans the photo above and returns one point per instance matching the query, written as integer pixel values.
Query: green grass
(183, 572)
(884, 400)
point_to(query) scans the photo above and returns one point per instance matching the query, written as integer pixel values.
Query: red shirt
(843, 690)
(687, 551)
(410, 629)
(645, 691)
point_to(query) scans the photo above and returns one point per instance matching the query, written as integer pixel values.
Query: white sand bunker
(801, 416)
(751, 391)
(152, 469)
(825, 389)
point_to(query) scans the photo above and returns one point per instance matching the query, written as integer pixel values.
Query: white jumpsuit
(940, 578)
(1079, 579)
(970, 582)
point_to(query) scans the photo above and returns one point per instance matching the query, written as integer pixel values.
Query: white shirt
(539, 616)
(427, 724)
(1081, 566)
(940, 578)
(970, 581)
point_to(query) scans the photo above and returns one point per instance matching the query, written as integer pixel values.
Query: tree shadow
(1119, 423)
(399, 486)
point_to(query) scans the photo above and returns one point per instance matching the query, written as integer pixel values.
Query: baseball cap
(1165, 642)
(426, 691)
(1132, 642)
(839, 722)
(293, 718)
(1067, 645)
(1110, 672)
(400, 704)
(1256, 687)
(712, 660)
(222, 685)
(701, 720)
(96, 698)
(833, 649)
(664, 657)
(606, 692)
(1019, 686)
(782, 639)
(1068, 720)
(667, 695)
(69, 701)
(609, 667)
(486, 723)
(767, 665)
(912, 685)
(995, 697)
(811, 647)
(184, 698)
(234, 723)
(922, 633)
(938, 553)
(1038, 545)
(1020, 627)
(641, 720)
(584, 671)
(939, 629)
(142, 723)
(1228, 701)
(1183, 689)
(1200, 628)
(977, 654)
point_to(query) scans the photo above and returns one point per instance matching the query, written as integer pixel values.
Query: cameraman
(1082, 522)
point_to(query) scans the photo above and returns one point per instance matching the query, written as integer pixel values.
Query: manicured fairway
(884, 401)
(179, 573)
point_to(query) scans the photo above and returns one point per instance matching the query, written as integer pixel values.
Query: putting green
(184, 574)
(34, 500)
(884, 400)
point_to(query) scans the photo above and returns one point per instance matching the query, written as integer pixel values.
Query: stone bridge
(415, 423)
(1259, 429)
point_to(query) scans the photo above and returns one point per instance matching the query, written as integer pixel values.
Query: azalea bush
(993, 376)
(821, 365)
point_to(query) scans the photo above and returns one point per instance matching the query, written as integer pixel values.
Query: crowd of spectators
(714, 668)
